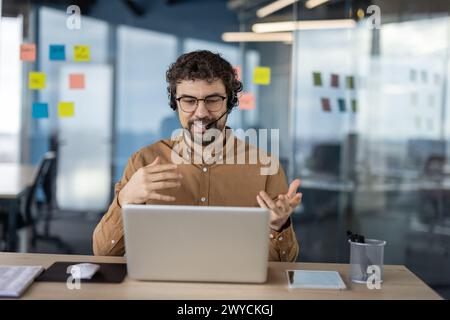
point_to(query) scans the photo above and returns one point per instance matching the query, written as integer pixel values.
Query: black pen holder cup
(366, 261)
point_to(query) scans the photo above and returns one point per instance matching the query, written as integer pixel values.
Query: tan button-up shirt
(214, 184)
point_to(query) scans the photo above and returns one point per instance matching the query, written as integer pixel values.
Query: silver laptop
(190, 243)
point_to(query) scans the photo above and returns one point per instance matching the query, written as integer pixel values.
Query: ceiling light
(303, 25)
(257, 37)
(314, 3)
(273, 7)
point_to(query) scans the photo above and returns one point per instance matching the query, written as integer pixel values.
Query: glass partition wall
(370, 134)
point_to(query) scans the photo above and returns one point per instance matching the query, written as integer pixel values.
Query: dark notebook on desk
(108, 273)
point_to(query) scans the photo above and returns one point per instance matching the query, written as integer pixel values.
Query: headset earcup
(232, 102)
(172, 101)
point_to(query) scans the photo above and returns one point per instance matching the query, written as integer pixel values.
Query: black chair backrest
(434, 165)
(42, 179)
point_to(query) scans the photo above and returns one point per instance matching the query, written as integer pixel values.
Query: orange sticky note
(66, 109)
(36, 80)
(76, 81)
(28, 52)
(247, 101)
(81, 53)
(238, 70)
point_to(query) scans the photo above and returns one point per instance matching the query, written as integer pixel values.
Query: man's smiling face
(196, 120)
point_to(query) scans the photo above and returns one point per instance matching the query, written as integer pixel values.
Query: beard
(199, 131)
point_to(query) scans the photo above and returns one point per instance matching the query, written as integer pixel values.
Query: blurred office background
(359, 91)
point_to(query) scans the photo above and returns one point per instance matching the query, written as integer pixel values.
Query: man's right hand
(146, 181)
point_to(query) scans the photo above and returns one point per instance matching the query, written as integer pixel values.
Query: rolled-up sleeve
(107, 239)
(283, 244)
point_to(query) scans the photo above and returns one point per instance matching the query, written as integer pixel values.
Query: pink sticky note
(238, 70)
(76, 81)
(247, 101)
(326, 107)
(28, 52)
(335, 80)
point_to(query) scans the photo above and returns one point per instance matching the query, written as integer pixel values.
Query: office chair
(35, 210)
(433, 200)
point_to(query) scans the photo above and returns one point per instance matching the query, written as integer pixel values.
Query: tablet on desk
(314, 279)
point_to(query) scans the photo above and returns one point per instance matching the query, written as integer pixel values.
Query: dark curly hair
(203, 65)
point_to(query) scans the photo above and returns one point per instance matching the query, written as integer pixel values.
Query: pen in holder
(366, 258)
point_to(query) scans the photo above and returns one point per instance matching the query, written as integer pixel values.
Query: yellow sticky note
(261, 75)
(81, 53)
(66, 109)
(36, 80)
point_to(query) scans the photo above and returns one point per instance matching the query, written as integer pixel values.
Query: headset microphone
(209, 125)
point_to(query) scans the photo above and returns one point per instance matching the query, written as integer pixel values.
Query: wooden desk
(15, 178)
(399, 283)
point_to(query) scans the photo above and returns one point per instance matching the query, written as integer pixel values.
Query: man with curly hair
(203, 89)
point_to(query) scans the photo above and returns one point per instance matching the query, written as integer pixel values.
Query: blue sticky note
(40, 110)
(341, 103)
(57, 52)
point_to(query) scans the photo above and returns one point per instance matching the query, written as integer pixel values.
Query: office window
(322, 98)
(143, 112)
(84, 140)
(402, 166)
(371, 131)
(10, 88)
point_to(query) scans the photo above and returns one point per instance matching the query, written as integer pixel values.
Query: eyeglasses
(190, 104)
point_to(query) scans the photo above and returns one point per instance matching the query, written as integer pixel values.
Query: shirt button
(205, 169)
(203, 199)
(280, 238)
(271, 236)
(113, 241)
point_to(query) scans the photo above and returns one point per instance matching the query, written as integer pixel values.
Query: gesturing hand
(147, 181)
(282, 207)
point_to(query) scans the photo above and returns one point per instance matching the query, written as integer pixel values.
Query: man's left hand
(281, 207)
